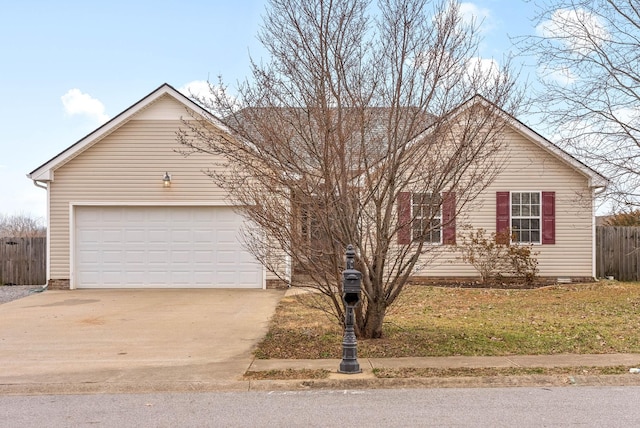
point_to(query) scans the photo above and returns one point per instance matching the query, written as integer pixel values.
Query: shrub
(494, 257)
(524, 263)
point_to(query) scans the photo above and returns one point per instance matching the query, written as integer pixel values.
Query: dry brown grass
(590, 318)
(498, 371)
(288, 374)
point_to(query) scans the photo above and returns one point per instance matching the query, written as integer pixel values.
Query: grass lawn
(593, 318)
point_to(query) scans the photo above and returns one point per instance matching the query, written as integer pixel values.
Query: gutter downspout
(35, 183)
(46, 284)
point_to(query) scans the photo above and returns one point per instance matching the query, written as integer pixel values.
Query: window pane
(525, 216)
(417, 230)
(428, 211)
(427, 214)
(535, 236)
(535, 210)
(535, 198)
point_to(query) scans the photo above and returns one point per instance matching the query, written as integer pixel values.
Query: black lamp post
(351, 279)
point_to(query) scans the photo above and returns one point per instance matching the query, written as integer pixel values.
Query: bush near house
(496, 259)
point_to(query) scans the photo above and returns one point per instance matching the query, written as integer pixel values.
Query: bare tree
(21, 226)
(360, 112)
(588, 62)
(631, 218)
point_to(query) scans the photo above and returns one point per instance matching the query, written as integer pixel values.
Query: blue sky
(68, 66)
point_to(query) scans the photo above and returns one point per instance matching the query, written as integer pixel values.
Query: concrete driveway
(137, 340)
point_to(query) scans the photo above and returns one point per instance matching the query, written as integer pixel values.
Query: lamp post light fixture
(351, 279)
(166, 180)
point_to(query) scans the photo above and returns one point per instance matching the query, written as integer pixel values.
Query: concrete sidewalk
(367, 379)
(193, 378)
(512, 361)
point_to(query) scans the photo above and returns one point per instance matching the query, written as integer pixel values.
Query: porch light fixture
(166, 180)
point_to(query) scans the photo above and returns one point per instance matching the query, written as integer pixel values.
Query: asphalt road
(498, 407)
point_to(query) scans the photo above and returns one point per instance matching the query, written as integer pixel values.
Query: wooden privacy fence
(618, 252)
(23, 261)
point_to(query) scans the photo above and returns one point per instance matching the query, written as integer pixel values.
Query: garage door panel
(180, 257)
(88, 256)
(110, 216)
(161, 247)
(112, 236)
(134, 257)
(227, 257)
(180, 277)
(89, 235)
(135, 236)
(157, 215)
(202, 236)
(202, 256)
(158, 236)
(181, 236)
(136, 277)
(227, 237)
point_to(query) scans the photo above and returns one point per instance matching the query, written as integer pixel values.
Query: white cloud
(203, 92)
(472, 14)
(198, 90)
(578, 29)
(77, 103)
(483, 69)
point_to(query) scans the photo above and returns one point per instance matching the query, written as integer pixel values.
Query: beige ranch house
(126, 210)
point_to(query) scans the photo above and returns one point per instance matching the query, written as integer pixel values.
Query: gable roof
(596, 179)
(281, 119)
(45, 171)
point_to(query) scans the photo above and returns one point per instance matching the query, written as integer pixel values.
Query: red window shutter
(449, 218)
(548, 217)
(503, 211)
(404, 218)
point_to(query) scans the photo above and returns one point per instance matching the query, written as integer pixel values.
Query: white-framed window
(526, 217)
(426, 212)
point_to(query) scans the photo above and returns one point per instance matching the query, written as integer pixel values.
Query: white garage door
(161, 247)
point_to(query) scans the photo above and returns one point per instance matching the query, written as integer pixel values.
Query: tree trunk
(371, 325)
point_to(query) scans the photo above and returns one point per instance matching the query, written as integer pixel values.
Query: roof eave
(45, 171)
(595, 179)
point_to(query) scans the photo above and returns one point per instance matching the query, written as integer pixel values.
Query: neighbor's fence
(618, 252)
(23, 261)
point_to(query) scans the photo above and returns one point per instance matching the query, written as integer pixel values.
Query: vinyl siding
(127, 167)
(530, 168)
